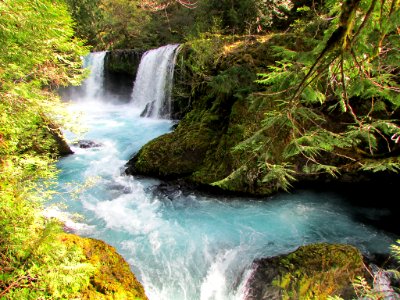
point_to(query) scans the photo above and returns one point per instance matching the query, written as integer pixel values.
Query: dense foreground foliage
(38, 53)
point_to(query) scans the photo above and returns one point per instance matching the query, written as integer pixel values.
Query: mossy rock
(123, 61)
(225, 138)
(112, 278)
(314, 271)
(217, 116)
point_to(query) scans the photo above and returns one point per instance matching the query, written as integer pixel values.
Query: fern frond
(395, 250)
(281, 174)
(312, 143)
(382, 165)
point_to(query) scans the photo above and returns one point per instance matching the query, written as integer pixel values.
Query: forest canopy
(151, 23)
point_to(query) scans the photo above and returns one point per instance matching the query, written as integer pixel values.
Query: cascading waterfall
(152, 89)
(185, 246)
(93, 87)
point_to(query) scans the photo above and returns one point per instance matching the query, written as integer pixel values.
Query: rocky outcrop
(53, 134)
(224, 138)
(84, 144)
(216, 96)
(61, 144)
(123, 61)
(112, 277)
(199, 147)
(120, 67)
(311, 272)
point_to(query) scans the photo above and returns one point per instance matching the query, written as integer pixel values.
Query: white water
(152, 88)
(93, 86)
(188, 246)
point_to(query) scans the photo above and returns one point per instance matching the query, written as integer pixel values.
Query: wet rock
(166, 191)
(123, 61)
(61, 146)
(87, 144)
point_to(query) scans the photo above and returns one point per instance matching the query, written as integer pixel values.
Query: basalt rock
(120, 68)
(123, 61)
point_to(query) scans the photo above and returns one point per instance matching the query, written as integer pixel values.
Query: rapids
(187, 245)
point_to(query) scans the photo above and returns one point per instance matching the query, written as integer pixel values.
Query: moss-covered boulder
(112, 277)
(219, 101)
(311, 272)
(216, 113)
(237, 137)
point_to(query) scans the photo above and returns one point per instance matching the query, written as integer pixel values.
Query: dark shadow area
(374, 201)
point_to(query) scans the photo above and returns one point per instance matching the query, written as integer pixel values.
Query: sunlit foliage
(37, 54)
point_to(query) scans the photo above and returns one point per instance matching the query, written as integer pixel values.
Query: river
(187, 245)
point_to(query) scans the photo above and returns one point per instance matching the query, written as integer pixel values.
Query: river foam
(194, 246)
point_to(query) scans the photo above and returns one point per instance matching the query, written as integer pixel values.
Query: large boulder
(112, 277)
(311, 272)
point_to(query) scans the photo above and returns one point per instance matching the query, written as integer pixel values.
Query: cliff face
(123, 61)
(225, 139)
(120, 67)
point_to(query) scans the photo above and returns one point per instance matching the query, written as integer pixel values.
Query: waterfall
(153, 85)
(184, 246)
(93, 87)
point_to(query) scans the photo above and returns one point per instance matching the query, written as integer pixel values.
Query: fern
(312, 96)
(313, 143)
(282, 175)
(395, 250)
(321, 168)
(383, 165)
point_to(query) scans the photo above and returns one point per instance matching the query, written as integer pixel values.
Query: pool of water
(189, 245)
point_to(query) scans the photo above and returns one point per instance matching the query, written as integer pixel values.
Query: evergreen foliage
(352, 76)
(147, 24)
(107, 24)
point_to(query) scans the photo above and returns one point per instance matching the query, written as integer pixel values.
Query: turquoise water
(193, 246)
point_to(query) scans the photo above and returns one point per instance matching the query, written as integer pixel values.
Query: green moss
(123, 61)
(217, 78)
(232, 135)
(112, 277)
(318, 271)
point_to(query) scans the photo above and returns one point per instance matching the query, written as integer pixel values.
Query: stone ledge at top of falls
(311, 272)
(222, 108)
(123, 61)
